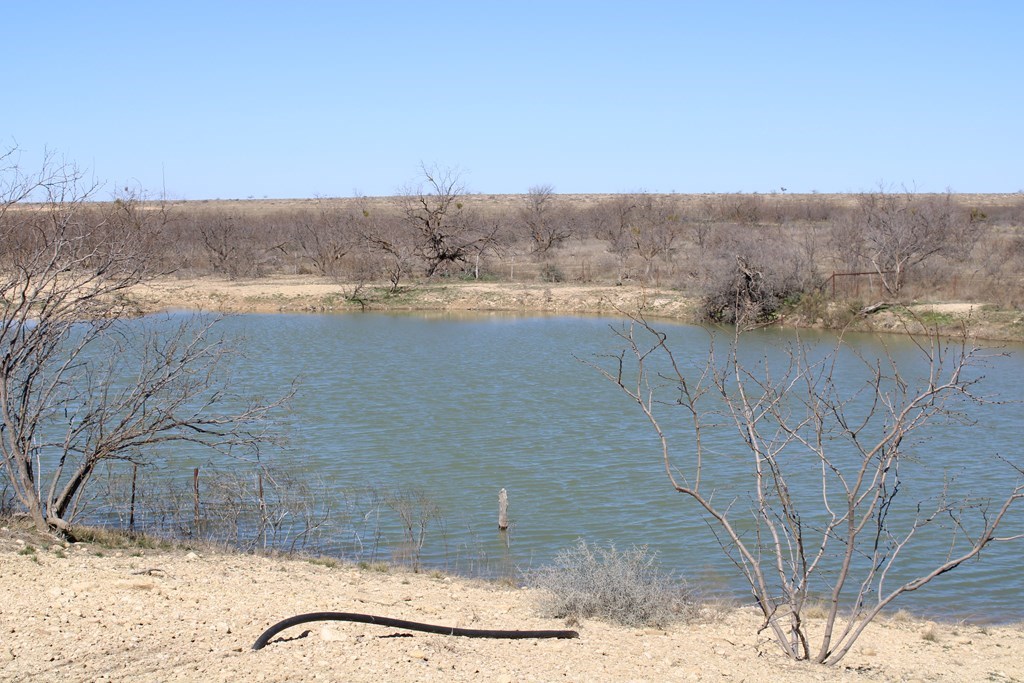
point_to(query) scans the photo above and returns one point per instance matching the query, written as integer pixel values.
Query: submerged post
(131, 509)
(195, 501)
(503, 510)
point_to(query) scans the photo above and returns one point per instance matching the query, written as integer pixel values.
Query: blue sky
(298, 99)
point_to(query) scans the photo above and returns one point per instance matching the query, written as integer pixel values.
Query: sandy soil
(85, 612)
(312, 294)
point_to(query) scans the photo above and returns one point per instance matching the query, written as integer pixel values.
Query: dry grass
(623, 588)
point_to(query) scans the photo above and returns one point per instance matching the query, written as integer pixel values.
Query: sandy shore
(86, 612)
(312, 294)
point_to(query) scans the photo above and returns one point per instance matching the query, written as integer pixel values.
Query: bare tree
(445, 229)
(655, 228)
(613, 225)
(326, 235)
(547, 226)
(895, 231)
(230, 248)
(389, 238)
(79, 383)
(822, 511)
(239, 245)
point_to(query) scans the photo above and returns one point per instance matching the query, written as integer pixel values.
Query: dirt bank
(311, 294)
(89, 612)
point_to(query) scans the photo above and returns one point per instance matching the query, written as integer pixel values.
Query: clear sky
(299, 99)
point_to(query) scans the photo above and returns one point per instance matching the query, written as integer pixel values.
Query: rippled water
(460, 407)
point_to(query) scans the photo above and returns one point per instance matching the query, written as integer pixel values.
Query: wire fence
(856, 285)
(268, 509)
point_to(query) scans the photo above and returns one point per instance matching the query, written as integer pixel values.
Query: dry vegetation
(751, 259)
(814, 259)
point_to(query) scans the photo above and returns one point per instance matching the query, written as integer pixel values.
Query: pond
(410, 421)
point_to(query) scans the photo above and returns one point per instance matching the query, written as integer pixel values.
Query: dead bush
(621, 587)
(750, 296)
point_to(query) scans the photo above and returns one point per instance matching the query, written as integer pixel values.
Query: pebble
(330, 635)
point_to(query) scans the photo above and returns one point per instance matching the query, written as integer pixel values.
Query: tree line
(888, 244)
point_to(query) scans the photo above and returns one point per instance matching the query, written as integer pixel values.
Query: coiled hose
(401, 623)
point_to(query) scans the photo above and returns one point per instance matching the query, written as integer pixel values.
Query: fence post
(195, 489)
(503, 510)
(262, 537)
(131, 509)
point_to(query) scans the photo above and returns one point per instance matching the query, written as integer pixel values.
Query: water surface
(456, 408)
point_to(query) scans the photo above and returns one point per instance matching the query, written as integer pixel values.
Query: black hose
(401, 623)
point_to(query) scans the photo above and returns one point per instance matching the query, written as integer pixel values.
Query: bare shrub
(893, 232)
(325, 235)
(621, 587)
(80, 384)
(839, 487)
(611, 224)
(547, 223)
(417, 512)
(258, 507)
(753, 271)
(751, 295)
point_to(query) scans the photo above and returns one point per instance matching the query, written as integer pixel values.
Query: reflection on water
(459, 407)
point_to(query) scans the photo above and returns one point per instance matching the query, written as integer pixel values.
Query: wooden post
(263, 510)
(131, 510)
(195, 489)
(503, 510)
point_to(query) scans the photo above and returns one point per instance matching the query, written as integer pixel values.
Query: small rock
(191, 556)
(418, 654)
(329, 635)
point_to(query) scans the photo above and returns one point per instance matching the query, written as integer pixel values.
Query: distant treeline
(891, 245)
